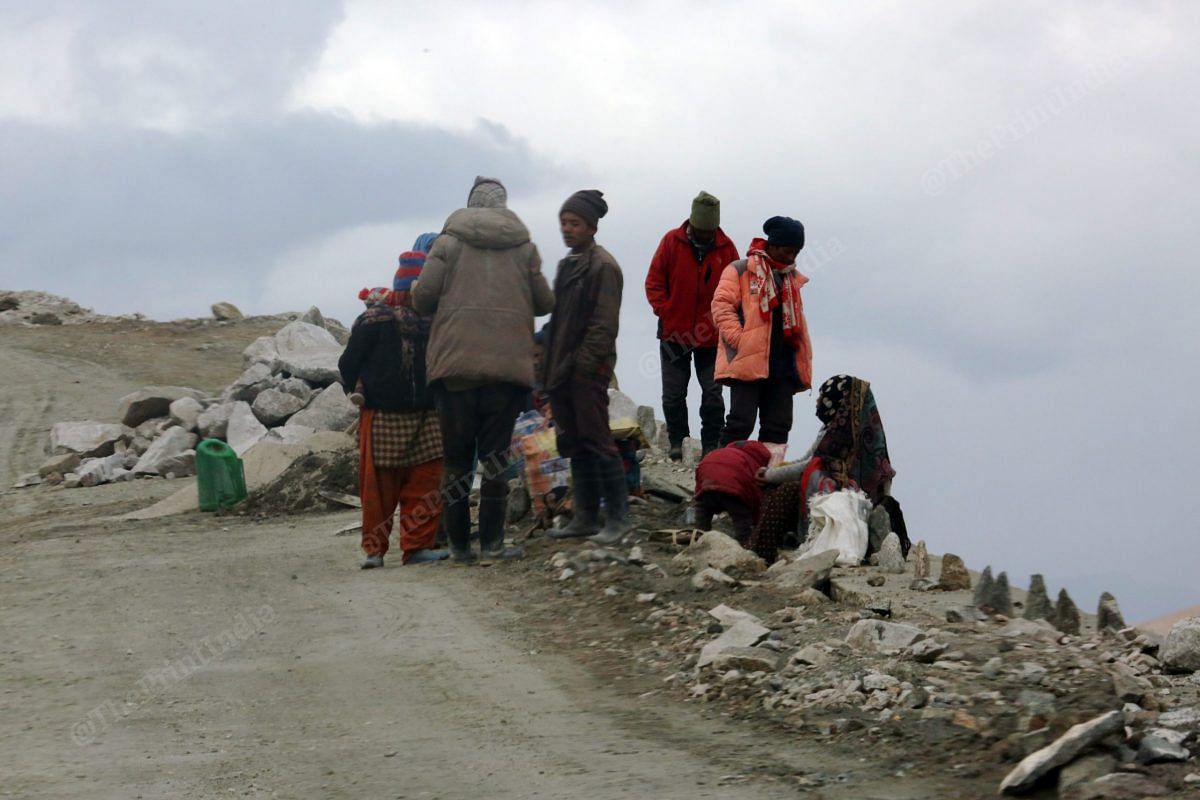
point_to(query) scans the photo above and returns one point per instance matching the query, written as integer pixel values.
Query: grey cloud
(89, 205)
(135, 57)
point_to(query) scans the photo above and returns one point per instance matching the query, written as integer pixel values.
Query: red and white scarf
(786, 295)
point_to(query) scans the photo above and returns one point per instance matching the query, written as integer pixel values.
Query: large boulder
(244, 430)
(163, 455)
(1062, 751)
(715, 549)
(875, 635)
(300, 336)
(226, 312)
(811, 572)
(1181, 650)
(319, 367)
(87, 439)
(272, 407)
(313, 317)
(330, 411)
(261, 351)
(213, 423)
(297, 387)
(152, 401)
(255, 380)
(185, 412)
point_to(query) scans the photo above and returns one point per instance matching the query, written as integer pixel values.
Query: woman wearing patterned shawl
(850, 452)
(400, 440)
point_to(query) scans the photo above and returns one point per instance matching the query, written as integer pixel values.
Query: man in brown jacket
(578, 358)
(483, 283)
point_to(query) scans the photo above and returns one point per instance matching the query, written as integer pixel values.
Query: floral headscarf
(853, 447)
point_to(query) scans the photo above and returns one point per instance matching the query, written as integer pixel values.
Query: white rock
(331, 411)
(213, 423)
(878, 636)
(1181, 649)
(730, 616)
(309, 352)
(891, 558)
(743, 633)
(96, 471)
(152, 401)
(708, 578)
(28, 480)
(87, 439)
(297, 387)
(1062, 751)
(244, 430)
(1038, 629)
(293, 434)
(320, 367)
(162, 454)
(273, 406)
(255, 380)
(261, 351)
(878, 681)
(715, 549)
(185, 412)
(812, 654)
(806, 573)
(1186, 718)
(693, 451)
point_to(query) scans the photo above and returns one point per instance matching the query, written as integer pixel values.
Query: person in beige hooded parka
(483, 284)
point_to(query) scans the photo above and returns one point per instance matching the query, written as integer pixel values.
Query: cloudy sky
(1001, 205)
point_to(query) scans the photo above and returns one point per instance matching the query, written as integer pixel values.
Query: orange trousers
(416, 490)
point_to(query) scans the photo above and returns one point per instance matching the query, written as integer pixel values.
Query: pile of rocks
(289, 391)
(41, 308)
(1103, 709)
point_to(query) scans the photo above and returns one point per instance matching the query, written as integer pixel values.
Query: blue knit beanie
(424, 242)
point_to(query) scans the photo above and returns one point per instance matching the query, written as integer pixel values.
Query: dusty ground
(231, 656)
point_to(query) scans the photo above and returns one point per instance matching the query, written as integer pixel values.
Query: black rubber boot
(611, 478)
(492, 509)
(585, 500)
(456, 519)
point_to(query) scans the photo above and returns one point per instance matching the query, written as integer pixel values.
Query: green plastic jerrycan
(220, 476)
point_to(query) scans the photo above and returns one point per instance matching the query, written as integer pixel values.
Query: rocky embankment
(287, 393)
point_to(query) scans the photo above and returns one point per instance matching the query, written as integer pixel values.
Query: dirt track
(206, 657)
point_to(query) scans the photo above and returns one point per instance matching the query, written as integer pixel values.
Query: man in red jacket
(683, 275)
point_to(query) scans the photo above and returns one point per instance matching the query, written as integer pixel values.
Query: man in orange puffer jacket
(765, 354)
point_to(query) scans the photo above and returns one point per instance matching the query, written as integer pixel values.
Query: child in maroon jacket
(727, 480)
